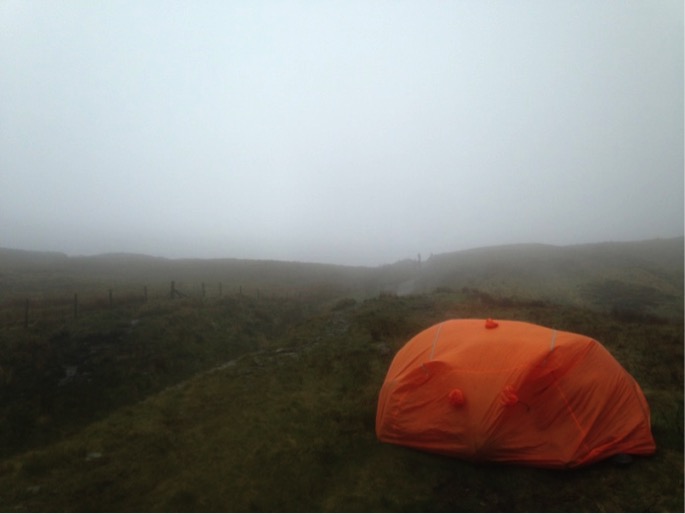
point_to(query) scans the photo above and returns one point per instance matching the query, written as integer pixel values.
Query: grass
(55, 378)
(286, 423)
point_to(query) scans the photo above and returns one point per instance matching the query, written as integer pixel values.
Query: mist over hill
(644, 276)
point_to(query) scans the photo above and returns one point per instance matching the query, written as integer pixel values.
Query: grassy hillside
(54, 377)
(644, 276)
(48, 274)
(264, 397)
(639, 277)
(289, 426)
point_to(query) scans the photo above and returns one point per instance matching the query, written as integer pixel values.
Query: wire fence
(39, 308)
(27, 310)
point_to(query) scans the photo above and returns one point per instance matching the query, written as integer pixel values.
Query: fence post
(26, 314)
(75, 305)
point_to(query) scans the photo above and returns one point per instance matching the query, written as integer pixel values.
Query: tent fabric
(514, 392)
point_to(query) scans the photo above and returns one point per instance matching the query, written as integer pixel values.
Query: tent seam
(435, 341)
(490, 370)
(583, 432)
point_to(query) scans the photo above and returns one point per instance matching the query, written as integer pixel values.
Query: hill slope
(291, 428)
(48, 273)
(644, 277)
(267, 402)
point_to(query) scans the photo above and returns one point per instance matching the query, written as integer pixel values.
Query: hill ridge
(635, 275)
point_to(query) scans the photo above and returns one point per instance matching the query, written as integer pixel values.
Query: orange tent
(515, 392)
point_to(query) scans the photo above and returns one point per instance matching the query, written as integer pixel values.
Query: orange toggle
(456, 397)
(490, 323)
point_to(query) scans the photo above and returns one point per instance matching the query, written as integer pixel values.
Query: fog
(343, 132)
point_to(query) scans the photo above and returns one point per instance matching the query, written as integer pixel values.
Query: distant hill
(642, 276)
(53, 273)
(636, 276)
(24, 259)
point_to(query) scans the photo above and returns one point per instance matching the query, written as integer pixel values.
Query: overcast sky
(345, 132)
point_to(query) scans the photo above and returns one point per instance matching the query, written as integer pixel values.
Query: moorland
(136, 383)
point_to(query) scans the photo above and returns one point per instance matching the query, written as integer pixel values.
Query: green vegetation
(267, 402)
(57, 377)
